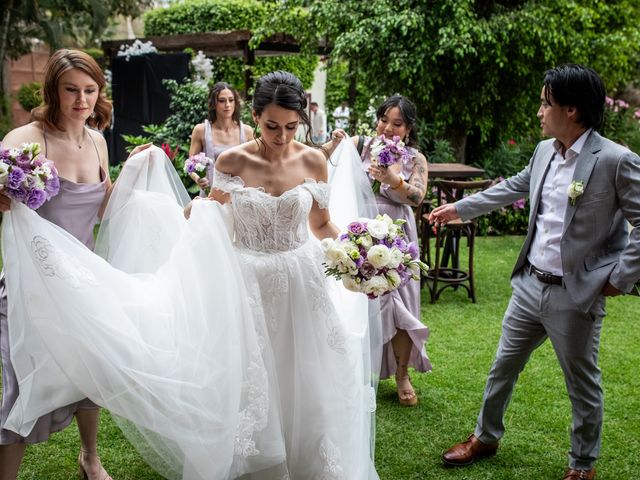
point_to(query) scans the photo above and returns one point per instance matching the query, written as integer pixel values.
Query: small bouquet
(27, 176)
(373, 256)
(386, 152)
(198, 164)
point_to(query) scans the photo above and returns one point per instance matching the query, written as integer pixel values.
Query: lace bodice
(267, 223)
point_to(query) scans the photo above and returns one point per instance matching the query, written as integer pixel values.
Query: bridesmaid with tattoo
(403, 187)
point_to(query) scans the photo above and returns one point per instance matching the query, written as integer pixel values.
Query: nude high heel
(82, 473)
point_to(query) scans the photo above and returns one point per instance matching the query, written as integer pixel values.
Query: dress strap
(95, 147)
(209, 146)
(242, 140)
(44, 135)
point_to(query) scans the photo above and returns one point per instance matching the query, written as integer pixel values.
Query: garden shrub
(622, 123)
(30, 95)
(188, 108)
(194, 16)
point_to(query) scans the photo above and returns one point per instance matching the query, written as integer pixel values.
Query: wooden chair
(445, 272)
(423, 229)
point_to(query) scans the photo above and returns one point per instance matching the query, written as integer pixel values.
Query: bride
(230, 361)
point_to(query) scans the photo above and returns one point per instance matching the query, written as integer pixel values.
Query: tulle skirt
(217, 363)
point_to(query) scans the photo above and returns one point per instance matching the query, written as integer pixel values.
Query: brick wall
(26, 69)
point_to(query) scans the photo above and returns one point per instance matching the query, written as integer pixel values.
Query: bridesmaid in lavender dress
(74, 100)
(402, 187)
(220, 131)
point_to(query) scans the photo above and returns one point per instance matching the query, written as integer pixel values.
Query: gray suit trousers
(537, 311)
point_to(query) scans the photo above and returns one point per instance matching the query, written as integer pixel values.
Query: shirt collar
(575, 149)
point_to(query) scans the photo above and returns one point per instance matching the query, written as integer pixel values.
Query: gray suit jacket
(595, 245)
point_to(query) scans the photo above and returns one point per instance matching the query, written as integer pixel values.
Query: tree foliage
(57, 23)
(261, 18)
(475, 67)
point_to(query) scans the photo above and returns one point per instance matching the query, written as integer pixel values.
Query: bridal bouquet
(373, 256)
(198, 164)
(386, 152)
(27, 176)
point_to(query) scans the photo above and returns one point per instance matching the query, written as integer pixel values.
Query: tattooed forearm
(414, 195)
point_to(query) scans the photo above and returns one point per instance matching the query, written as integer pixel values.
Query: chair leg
(472, 241)
(436, 273)
(425, 246)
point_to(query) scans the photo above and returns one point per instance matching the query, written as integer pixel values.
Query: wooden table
(458, 171)
(451, 171)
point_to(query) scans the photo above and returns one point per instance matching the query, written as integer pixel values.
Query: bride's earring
(93, 115)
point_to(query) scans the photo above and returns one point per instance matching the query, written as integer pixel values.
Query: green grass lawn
(462, 344)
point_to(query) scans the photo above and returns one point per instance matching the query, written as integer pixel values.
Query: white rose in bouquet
(395, 258)
(377, 286)
(350, 283)
(378, 256)
(378, 228)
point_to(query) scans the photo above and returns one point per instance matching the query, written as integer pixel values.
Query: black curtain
(139, 98)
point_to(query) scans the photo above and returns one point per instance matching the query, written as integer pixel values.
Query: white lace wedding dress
(217, 342)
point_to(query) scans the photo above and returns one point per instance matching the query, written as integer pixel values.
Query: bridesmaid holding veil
(402, 188)
(66, 126)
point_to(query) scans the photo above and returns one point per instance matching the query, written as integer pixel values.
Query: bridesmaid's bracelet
(399, 184)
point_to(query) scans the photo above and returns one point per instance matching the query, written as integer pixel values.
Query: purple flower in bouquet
(52, 186)
(23, 160)
(16, 177)
(357, 228)
(386, 152)
(400, 243)
(35, 198)
(20, 193)
(373, 256)
(367, 270)
(27, 175)
(412, 250)
(198, 164)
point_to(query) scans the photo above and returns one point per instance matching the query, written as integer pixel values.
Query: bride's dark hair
(285, 90)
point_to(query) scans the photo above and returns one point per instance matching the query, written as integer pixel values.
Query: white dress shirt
(544, 252)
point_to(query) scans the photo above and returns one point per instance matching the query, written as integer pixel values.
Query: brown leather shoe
(572, 474)
(466, 453)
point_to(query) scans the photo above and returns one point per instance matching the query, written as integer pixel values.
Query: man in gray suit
(577, 251)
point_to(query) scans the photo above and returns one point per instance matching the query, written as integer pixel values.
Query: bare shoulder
(32, 132)
(198, 129)
(98, 137)
(315, 162)
(248, 132)
(101, 144)
(233, 160)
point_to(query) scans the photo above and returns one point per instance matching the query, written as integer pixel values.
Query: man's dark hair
(577, 86)
(314, 104)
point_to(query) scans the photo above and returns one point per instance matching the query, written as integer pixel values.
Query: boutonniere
(574, 191)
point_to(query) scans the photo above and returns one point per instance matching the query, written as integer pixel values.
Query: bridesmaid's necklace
(84, 134)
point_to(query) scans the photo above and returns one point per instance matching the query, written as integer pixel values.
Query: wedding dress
(217, 343)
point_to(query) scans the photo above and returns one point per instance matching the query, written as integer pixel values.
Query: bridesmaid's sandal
(82, 473)
(407, 396)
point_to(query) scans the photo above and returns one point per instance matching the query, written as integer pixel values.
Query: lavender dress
(75, 209)
(212, 151)
(400, 309)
